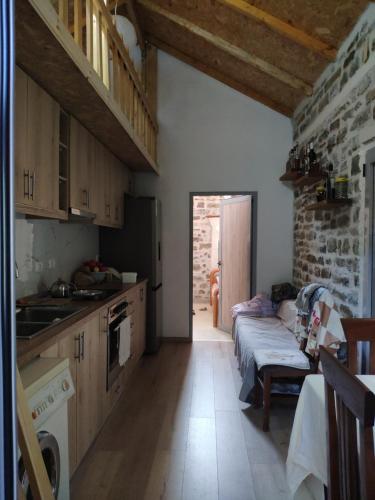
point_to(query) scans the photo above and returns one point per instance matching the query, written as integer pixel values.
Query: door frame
(8, 449)
(253, 247)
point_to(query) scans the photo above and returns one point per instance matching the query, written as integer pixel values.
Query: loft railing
(91, 26)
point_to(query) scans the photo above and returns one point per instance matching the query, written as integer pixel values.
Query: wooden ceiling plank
(229, 48)
(283, 28)
(217, 75)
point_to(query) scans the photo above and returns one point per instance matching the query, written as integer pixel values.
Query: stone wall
(202, 244)
(340, 120)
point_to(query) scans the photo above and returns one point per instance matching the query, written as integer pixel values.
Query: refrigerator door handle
(154, 288)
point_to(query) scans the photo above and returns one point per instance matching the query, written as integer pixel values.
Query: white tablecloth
(307, 456)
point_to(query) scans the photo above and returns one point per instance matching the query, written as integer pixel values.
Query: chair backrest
(359, 330)
(350, 410)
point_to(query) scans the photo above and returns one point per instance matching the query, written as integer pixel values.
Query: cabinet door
(82, 150)
(22, 172)
(69, 348)
(43, 115)
(103, 176)
(87, 394)
(117, 185)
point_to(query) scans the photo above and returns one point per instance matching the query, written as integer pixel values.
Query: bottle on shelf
(330, 183)
(312, 158)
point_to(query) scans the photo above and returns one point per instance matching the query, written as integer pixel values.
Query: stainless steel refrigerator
(137, 248)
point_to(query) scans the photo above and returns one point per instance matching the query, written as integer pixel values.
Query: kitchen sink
(32, 320)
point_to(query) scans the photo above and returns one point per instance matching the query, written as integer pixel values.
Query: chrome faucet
(17, 271)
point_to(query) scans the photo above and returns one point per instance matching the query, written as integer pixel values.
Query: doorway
(222, 260)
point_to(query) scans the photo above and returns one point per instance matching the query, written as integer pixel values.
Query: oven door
(113, 345)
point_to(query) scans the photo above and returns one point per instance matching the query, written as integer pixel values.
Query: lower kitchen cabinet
(83, 348)
(86, 349)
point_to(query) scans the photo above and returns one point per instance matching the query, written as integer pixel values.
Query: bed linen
(260, 333)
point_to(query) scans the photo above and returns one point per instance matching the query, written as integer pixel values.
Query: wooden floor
(180, 432)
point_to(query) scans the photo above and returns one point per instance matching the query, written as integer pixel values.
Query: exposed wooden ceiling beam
(214, 73)
(134, 19)
(283, 28)
(227, 47)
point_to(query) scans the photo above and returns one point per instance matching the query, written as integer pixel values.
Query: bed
(260, 333)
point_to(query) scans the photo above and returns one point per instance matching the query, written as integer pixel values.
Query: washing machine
(48, 386)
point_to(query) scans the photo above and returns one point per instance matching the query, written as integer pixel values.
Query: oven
(116, 315)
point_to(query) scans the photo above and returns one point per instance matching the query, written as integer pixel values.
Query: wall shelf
(291, 176)
(299, 180)
(307, 180)
(329, 205)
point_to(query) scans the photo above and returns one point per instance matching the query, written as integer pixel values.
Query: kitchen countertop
(27, 349)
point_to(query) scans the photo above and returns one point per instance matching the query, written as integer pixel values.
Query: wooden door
(43, 115)
(88, 398)
(22, 172)
(82, 150)
(235, 256)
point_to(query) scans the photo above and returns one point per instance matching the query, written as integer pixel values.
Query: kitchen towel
(125, 340)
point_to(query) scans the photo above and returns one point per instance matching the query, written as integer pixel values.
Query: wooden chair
(214, 296)
(359, 330)
(351, 462)
(270, 374)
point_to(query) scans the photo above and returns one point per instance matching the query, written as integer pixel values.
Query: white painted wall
(212, 138)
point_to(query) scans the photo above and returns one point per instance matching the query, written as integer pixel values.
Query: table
(307, 456)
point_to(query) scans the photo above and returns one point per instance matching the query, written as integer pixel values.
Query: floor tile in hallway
(179, 432)
(202, 325)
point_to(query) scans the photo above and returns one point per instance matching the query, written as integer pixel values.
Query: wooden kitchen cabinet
(82, 168)
(84, 349)
(37, 117)
(103, 178)
(118, 188)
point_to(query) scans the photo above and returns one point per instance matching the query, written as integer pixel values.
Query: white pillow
(287, 312)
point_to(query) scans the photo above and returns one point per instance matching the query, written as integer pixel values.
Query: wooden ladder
(30, 450)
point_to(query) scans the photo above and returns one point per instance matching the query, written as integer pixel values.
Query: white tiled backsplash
(47, 250)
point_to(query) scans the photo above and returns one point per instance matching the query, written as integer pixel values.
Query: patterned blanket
(323, 325)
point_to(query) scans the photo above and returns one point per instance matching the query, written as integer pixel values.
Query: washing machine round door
(51, 456)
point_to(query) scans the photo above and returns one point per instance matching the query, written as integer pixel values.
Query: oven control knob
(65, 385)
(50, 399)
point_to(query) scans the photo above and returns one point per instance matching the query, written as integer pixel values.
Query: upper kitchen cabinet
(37, 117)
(111, 184)
(73, 49)
(82, 169)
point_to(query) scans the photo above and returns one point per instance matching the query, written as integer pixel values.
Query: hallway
(180, 432)
(202, 325)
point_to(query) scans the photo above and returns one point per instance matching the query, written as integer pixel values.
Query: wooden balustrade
(91, 25)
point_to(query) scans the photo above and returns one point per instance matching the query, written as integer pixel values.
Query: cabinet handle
(33, 183)
(141, 294)
(84, 197)
(82, 345)
(26, 182)
(108, 210)
(88, 198)
(77, 356)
